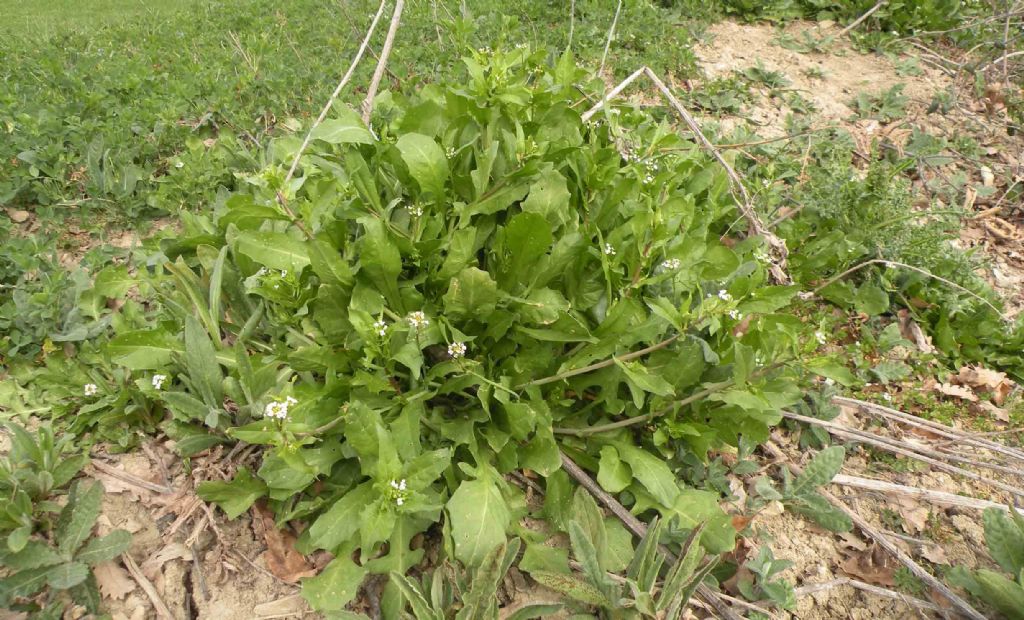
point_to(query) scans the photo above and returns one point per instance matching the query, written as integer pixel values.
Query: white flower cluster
(724, 295)
(416, 210)
(418, 320)
(399, 488)
(91, 389)
(158, 381)
(457, 350)
(380, 327)
(820, 337)
(279, 409)
(734, 314)
(609, 249)
(671, 264)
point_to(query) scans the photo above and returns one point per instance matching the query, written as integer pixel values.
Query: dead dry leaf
(171, 551)
(286, 606)
(849, 540)
(957, 391)
(994, 382)
(281, 557)
(991, 411)
(874, 565)
(910, 330)
(914, 515)
(113, 580)
(934, 554)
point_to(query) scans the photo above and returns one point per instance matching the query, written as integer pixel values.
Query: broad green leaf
(652, 472)
(347, 129)
(1005, 540)
(479, 517)
(820, 471)
(584, 550)
(23, 583)
(113, 282)
(527, 237)
(426, 161)
(411, 592)
(144, 350)
(78, 516)
(472, 294)
(381, 262)
(67, 575)
(545, 558)
(541, 452)
(612, 474)
(201, 363)
(341, 522)
(640, 381)
(33, 555)
(335, 586)
(1005, 595)
(106, 548)
(572, 587)
(871, 299)
(274, 250)
(329, 265)
(549, 198)
(235, 496)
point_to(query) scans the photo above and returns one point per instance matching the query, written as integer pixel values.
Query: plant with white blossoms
(671, 264)
(418, 320)
(724, 295)
(820, 337)
(279, 409)
(380, 327)
(91, 389)
(609, 249)
(158, 381)
(457, 350)
(734, 314)
(398, 491)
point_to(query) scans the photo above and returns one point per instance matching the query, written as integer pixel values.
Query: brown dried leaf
(988, 409)
(982, 378)
(914, 515)
(849, 540)
(934, 554)
(286, 606)
(874, 565)
(910, 330)
(113, 580)
(281, 557)
(957, 391)
(171, 551)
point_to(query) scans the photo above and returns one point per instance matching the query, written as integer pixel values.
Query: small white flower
(671, 264)
(399, 494)
(289, 401)
(457, 350)
(805, 295)
(734, 314)
(158, 381)
(399, 500)
(418, 320)
(398, 486)
(724, 295)
(284, 273)
(820, 337)
(450, 152)
(91, 389)
(381, 328)
(648, 179)
(279, 409)
(886, 396)
(765, 182)
(830, 381)
(416, 211)
(262, 272)
(179, 164)
(609, 250)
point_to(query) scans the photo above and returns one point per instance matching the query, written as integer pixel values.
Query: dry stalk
(941, 498)
(611, 35)
(883, 541)
(162, 610)
(866, 587)
(860, 20)
(378, 73)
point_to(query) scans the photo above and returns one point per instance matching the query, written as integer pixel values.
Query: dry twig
(611, 35)
(378, 73)
(162, 610)
(936, 497)
(811, 588)
(860, 20)
(124, 476)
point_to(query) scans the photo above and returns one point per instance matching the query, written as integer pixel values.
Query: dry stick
(323, 114)
(867, 587)
(936, 497)
(124, 476)
(859, 20)
(378, 73)
(611, 35)
(613, 93)
(162, 610)
(572, 23)
(873, 440)
(639, 529)
(883, 541)
(889, 263)
(745, 205)
(935, 427)
(923, 450)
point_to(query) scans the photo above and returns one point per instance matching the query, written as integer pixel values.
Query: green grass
(45, 18)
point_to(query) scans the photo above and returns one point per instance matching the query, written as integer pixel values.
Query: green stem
(599, 365)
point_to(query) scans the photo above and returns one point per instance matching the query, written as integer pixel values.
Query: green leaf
(17, 539)
(24, 583)
(33, 555)
(274, 250)
(380, 262)
(586, 553)
(106, 548)
(341, 522)
(144, 350)
(201, 362)
(820, 471)
(235, 496)
(426, 161)
(1005, 540)
(549, 197)
(479, 517)
(639, 381)
(411, 592)
(481, 602)
(78, 516)
(347, 129)
(527, 237)
(1005, 595)
(576, 589)
(473, 294)
(336, 585)
(612, 474)
(871, 300)
(652, 472)
(113, 282)
(67, 575)
(541, 452)
(538, 557)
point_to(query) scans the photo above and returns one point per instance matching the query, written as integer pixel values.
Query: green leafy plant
(886, 106)
(49, 547)
(800, 494)
(650, 589)
(1004, 536)
(764, 583)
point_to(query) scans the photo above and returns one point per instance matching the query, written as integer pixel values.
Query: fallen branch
(639, 529)
(867, 438)
(936, 428)
(883, 541)
(941, 498)
(162, 610)
(811, 588)
(860, 20)
(124, 476)
(385, 52)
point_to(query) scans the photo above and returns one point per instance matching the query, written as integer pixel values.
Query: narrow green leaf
(78, 516)
(235, 496)
(106, 548)
(67, 575)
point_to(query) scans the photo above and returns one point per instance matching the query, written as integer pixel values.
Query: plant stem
(599, 365)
